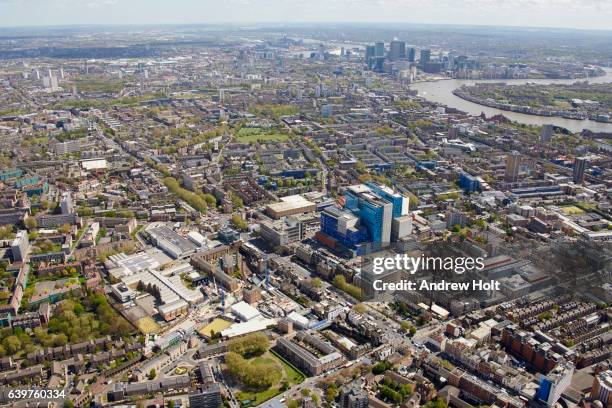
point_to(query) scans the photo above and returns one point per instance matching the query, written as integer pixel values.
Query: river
(441, 91)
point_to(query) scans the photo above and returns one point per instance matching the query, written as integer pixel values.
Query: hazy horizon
(553, 14)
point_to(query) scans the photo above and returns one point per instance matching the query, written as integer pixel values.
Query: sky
(581, 14)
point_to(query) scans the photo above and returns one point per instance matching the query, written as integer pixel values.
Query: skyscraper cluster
(376, 55)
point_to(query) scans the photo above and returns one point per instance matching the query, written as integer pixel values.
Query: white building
(20, 246)
(244, 311)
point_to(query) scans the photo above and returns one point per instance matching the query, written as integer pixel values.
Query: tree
(60, 340)
(331, 393)
(12, 344)
(30, 223)
(292, 403)
(254, 344)
(236, 201)
(360, 167)
(381, 367)
(126, 214)
(340, 282)
(239, 223)
(152, 374)
(6, 232)
(437, 403)
(85, 211)
(256, 377)
(191, 198)
(359, 308)
(210, 199)
(387, 393)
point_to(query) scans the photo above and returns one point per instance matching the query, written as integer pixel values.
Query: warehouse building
(170, 242)
(290, 205)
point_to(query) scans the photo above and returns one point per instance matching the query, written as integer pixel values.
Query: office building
(170, 242)
(397, 50)
(353, 396)
(379, 48)
(66, 203)
(209, 392)
(469, 183)
(367, 217)
(432, 67)
(456, 217)
(411, 54)
(602, 388)
(173, 296)
(305, 360)
(341, 228)
(580, 164)
(56, 220)
(546, 133)
(555, 383)
(370, 54)
(401, 227)
(281, 232)
(327, 110)
(425, 57)
(375, 56)
(208, 397)
(122, 292)
(290, 205)
(20, 246)
(513, 164)
(375, 206)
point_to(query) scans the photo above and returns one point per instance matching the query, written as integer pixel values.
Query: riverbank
(527, 110)
(441, 91)
(578, 101)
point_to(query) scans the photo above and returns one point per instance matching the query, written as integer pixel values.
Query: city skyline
(285, 214)
(582, 14)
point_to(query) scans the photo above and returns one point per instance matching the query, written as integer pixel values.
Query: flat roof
(290, 202)
(244, 310)
(238, 329)
(94, 164)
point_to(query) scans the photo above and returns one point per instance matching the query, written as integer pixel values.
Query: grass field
(572, 210)
(294, 375)
(587, 206)
(290, 375)
(262, 361)
(253, 135)
(215, 326)
(147, 325)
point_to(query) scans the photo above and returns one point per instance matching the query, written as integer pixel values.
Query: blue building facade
(367, 216)
(9, 174)
(351, 237)
(427, 164)
(396, 200)
(469, 183)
